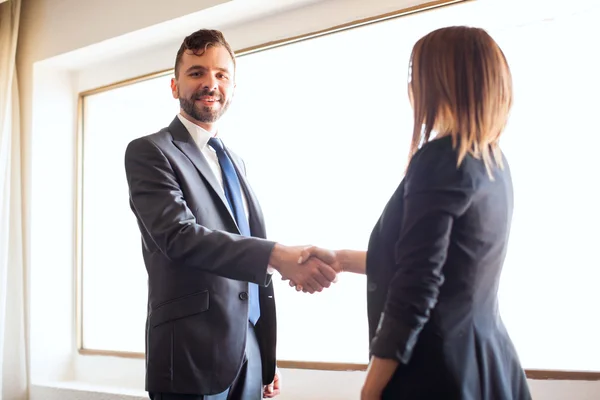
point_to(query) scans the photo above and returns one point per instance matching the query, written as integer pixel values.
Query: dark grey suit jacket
(433, 267)
(198, 267)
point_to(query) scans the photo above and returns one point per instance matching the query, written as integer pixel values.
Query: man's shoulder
(154, 142)
(158, 138)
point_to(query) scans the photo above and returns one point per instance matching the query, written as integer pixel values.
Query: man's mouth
(207, 100)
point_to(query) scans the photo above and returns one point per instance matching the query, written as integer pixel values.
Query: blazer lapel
(256, 220)
(184, 142)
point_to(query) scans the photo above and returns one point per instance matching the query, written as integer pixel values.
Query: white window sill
(73, 390)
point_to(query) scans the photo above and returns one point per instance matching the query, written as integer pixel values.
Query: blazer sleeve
(436, 192)
(159, 204)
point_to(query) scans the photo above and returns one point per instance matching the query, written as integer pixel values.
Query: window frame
(538, 374)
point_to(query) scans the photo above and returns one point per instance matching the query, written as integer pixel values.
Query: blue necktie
(233, 193)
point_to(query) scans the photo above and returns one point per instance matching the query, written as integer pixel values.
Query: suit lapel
(185, 143)
(255, 219)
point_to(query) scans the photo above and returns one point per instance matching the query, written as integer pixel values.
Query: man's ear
(174, 88)
(233, 91)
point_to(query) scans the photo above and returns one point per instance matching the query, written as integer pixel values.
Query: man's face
(205, 85)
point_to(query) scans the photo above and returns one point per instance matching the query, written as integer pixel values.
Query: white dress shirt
(201, 137)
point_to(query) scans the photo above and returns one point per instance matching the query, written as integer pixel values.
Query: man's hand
(328, 257)
(273, 389)
(312, 274)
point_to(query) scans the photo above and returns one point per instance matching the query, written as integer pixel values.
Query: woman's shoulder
(435, 166)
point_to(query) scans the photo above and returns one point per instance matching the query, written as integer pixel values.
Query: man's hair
(461, 85)
(198, 42)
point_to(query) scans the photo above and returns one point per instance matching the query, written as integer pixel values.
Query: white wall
(51, 261)
(63, 26)
(61, 50)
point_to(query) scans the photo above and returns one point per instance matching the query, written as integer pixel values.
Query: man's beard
(201, 113)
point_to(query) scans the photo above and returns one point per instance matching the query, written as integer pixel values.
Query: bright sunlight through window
(324, 127)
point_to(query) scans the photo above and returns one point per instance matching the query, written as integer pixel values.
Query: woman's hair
(460, 85)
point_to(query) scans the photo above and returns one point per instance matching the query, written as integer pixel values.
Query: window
(324, 127)
(113, 274)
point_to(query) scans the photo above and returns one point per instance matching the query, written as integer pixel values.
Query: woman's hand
(369, 394)
(328, 257)
(379, 374)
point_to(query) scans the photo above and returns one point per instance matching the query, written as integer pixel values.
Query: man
(210, 330)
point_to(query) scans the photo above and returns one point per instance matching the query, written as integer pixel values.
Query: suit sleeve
(435, 195)
(159, 205)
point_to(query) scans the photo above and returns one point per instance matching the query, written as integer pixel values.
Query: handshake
(309, 269)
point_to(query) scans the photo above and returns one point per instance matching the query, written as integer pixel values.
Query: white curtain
(13, 351)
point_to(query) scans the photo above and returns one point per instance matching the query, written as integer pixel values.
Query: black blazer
(198, 267)
(433, 267)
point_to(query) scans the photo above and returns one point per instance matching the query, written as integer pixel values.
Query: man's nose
(210, 83)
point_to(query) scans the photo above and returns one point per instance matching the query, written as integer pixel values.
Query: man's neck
(211, 128)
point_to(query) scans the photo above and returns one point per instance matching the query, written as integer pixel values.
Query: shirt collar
(199, 134)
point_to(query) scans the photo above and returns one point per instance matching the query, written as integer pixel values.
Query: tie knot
(216, 144)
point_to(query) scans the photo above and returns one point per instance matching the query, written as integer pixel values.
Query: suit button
(371, 287)
(243, 296)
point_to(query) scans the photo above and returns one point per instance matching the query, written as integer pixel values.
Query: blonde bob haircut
(460, 85)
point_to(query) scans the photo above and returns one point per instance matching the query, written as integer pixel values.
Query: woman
(435, 256)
